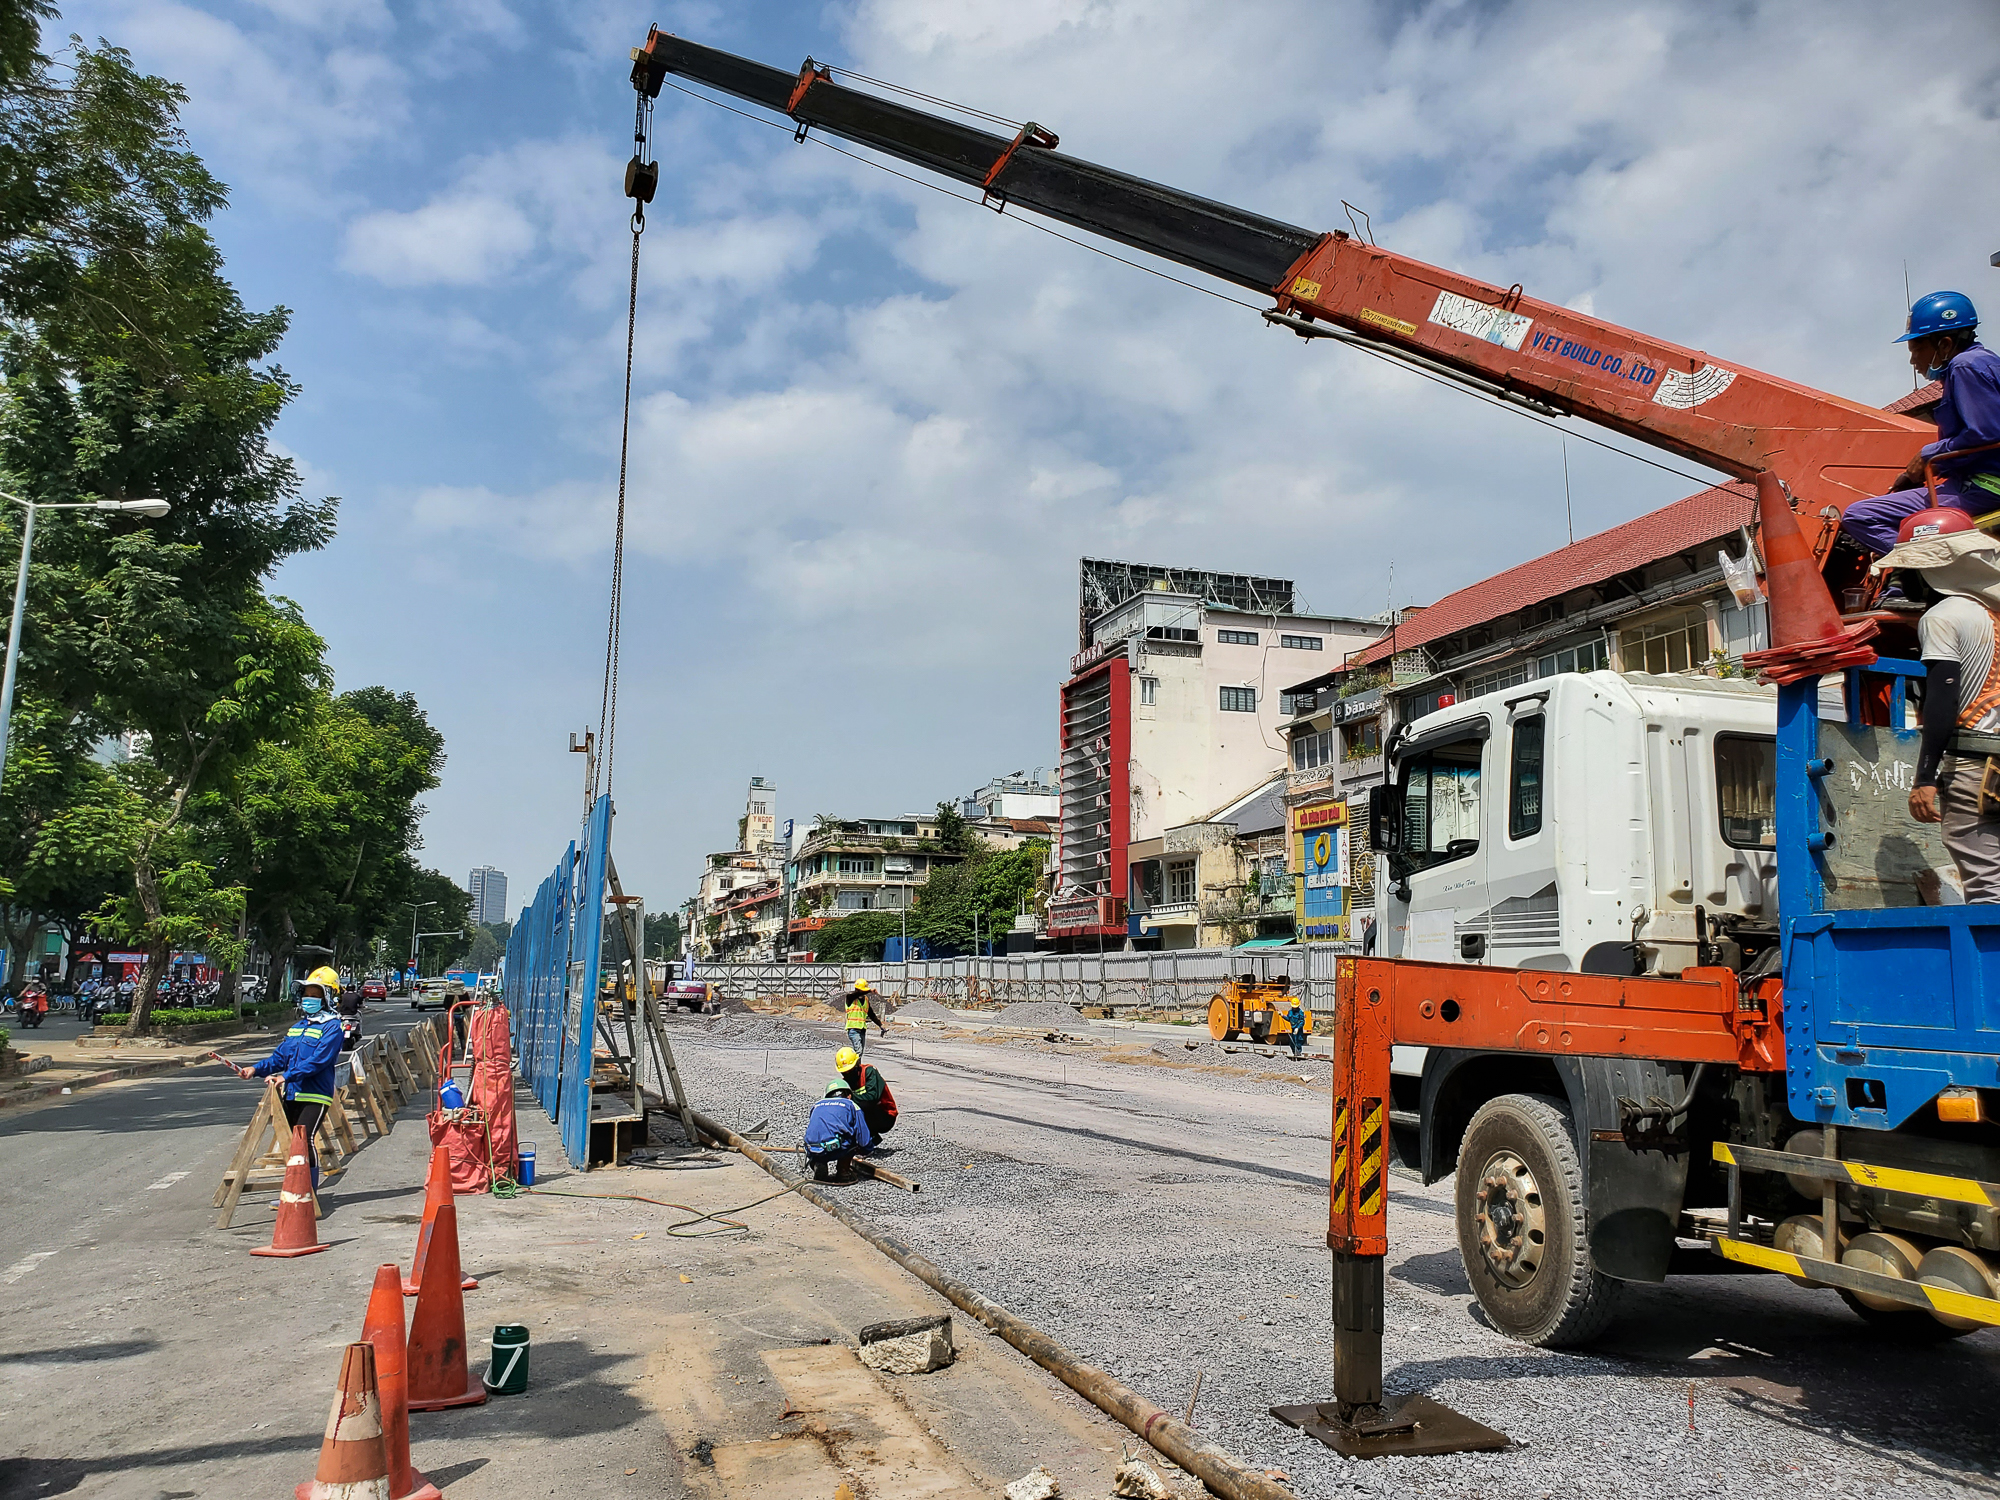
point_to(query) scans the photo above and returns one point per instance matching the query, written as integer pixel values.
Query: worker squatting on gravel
(835, 1131)
(869, 1089)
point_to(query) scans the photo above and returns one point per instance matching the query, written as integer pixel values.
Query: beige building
(1220, 881)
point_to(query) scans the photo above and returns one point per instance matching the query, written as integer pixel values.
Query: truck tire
(1522, 1229)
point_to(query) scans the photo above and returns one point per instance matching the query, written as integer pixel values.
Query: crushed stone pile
(1039, 1013)
(753, 1030)
(924, 1010)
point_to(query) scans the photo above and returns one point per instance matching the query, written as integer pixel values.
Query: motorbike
(33, 1007)
(93, 1008)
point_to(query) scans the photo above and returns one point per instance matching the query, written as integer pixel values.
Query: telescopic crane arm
(1826, 449)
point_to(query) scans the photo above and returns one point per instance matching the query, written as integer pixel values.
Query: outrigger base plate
(1413, 1426)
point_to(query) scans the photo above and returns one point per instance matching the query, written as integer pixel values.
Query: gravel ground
(1186, 1207)
(748, 1031)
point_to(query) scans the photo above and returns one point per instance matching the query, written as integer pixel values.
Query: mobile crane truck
(1696, 997)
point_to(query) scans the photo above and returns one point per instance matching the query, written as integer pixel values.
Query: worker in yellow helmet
(306, 1060)
(869, 1090)
(861, 1009)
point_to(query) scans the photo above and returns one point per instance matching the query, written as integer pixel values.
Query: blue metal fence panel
(580, 1014)
(551, 980)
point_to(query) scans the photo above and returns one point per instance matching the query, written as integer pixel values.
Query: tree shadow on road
(80, 1354)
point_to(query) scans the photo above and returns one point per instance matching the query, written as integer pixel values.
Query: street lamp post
(415, 907)
(150, 509)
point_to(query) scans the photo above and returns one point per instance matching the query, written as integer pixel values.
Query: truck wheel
(1521, 1224)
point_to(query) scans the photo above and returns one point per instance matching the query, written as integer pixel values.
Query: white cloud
(455, 241)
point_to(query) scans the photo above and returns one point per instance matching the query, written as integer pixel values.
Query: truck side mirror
(1385, 831)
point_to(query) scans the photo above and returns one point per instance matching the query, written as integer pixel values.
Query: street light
(152, 510)
(415, 907)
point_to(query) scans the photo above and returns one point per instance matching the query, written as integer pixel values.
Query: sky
(873, 428)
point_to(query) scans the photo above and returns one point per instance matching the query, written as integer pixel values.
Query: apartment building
(1221, 881)
(739, 902)
(847, 865)
(1174, 704)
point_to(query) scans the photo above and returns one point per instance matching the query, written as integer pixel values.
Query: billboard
(1320, 861)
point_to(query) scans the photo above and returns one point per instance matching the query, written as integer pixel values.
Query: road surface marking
(165, 1182)
(23, 1266)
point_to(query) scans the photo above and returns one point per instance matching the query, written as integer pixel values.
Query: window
(1524, 781)
(1441, 803)
(1589, 657)
(1678, 643)
(856, 864)
(1505, 677)
(852, 900)
(1302, 642)
(1149, 691)
(1361, 740)
(1311, 751)
(1239, 700)
(1180, 883)
(1236, 637)
(1290, 704)
(1746, 790)
(888, 896)
(760, 808)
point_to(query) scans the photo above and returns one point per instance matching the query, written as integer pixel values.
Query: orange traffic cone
(1807, 637)
(439, 1375)
(383, 1328)
(296, 1232)
(353, 1460)
(437, 1194)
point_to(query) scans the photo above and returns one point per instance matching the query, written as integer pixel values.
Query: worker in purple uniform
(1943, 346)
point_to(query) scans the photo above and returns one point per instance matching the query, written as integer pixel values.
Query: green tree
(858, 938)
(954, 834)
(489, 946)
(132, 368)
(981, 895)
(449, 913)
(663, 935)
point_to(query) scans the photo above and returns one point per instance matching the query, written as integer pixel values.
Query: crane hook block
(642, 179)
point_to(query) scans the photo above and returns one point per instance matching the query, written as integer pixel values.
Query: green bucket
(507, 1371)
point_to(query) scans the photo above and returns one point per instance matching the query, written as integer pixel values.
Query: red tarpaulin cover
(481, 1139)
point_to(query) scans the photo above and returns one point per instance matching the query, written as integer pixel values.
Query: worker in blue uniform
(1944, 345)
(306, 1060)
(835, 1130)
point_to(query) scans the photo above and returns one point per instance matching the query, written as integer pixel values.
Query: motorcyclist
(33, 1004)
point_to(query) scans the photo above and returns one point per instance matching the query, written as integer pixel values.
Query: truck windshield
(1441, 803)
(1746, 790)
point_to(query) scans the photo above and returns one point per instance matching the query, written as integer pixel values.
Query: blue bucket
(527, 1168)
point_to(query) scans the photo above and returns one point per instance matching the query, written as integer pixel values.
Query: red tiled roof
(1926, 396)
(1030, 825)
(1673, 528)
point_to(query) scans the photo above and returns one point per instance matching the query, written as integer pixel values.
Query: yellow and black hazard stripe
(1917, 1294)
(1861, 1174)
(1340, 1156)
(1368, 1187)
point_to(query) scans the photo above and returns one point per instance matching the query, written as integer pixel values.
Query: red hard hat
(1940, 520)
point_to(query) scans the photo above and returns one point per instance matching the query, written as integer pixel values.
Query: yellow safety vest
(857, 1013)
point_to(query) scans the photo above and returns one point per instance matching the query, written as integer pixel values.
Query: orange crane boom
(1827, 450)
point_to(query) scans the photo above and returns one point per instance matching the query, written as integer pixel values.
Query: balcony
(1171, 914)
(1309, 780)
(1361, 768)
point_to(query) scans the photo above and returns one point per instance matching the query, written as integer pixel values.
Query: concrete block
(1037, 1484)
(915, 1352)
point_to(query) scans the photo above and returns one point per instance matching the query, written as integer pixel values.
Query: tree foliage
(251, 799)
(857, 938)
(981, 895)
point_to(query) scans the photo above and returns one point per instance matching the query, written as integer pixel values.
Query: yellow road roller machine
(1255, 1005)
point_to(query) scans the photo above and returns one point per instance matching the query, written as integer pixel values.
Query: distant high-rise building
(489, 894)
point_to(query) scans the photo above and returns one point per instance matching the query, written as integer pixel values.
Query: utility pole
(784, 941)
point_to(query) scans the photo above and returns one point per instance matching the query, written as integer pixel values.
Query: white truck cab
(1603, 822)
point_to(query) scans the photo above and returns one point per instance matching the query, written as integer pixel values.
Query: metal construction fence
(1179, 980)
(551, 983)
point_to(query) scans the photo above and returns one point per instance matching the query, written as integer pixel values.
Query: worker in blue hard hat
(1944, 345)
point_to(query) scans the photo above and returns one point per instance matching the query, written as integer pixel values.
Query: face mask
(312, 1004)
